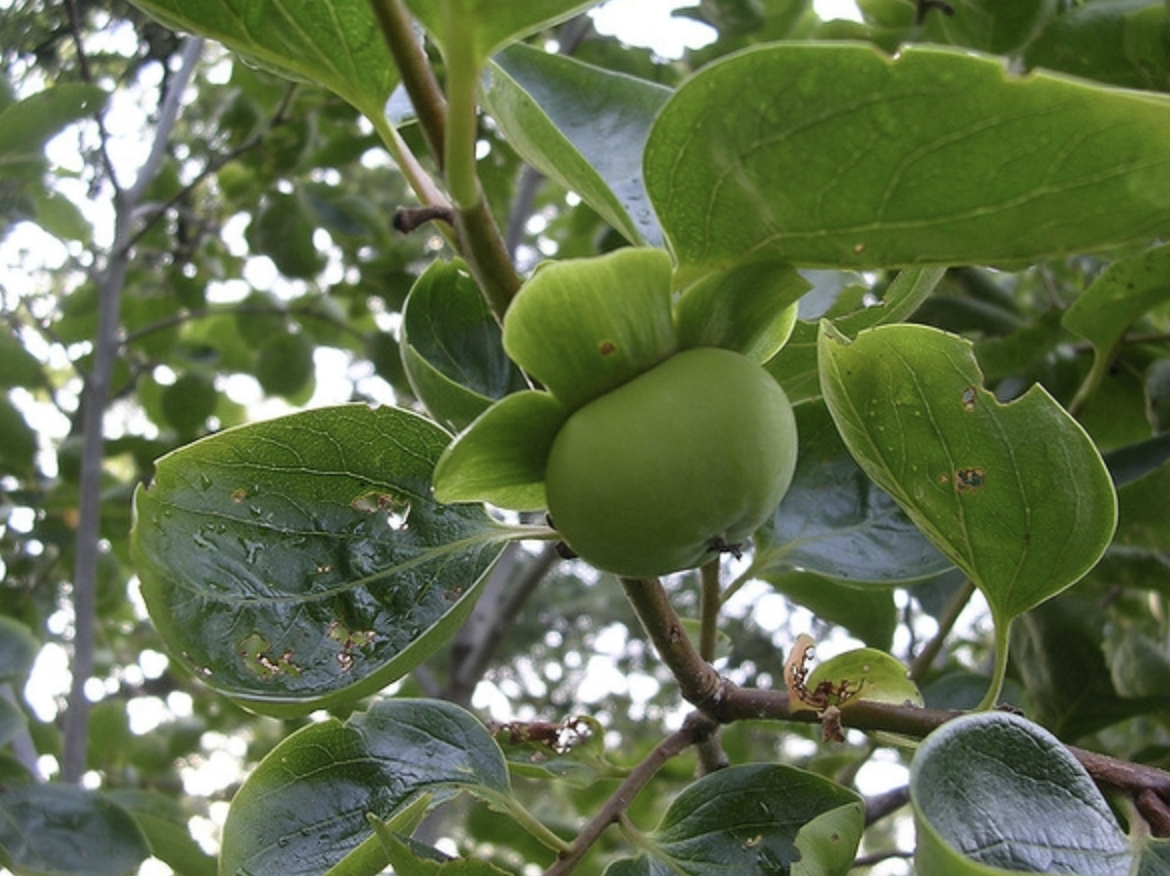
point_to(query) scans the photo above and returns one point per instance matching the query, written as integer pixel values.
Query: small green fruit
(684, 460)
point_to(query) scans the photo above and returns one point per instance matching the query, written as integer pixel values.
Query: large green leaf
(336, 44)
(302, 560)
(852, 158)
(754, 819)
(836, 522)
(65, 830)
(305, 807)
(492, 24)
(995, 793)
(1015, 495)
(583, 126)
(451, 347)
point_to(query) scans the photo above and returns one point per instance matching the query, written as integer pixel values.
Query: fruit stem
(710, 600)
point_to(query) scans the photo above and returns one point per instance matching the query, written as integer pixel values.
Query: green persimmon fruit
(683, 461)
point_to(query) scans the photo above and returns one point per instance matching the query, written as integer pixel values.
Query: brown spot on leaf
(969, 396)
(968, 479)
(607, 348)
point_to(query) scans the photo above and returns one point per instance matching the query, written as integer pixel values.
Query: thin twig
(922, 662)
(695, 729)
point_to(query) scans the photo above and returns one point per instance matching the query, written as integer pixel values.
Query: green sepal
(749, 308)
(501, 457)
(582, 327)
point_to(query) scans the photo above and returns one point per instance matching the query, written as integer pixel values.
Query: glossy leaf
(754, 819)
(501, 458)
(836, 522)
(584, 126)
(854, 159)
(65, 830)
(337, 44)
(1015, 495)
(994, 793)
(305, 807)
(492, 24)
(302, 561)
(582, 327)
(750, 308)
(451, 347)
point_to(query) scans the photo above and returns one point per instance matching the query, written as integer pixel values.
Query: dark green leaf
(165, 825)
(304, 808)
(25, 127)
(189, 401)
(337, 44)
(583, 126)
(869, 613)
(1002, 792)
(300, 561)
(18, 442)
(851, 158)
(18, 367)
(283, 232)
(64, 830)
(18, 649)
(756, 819)
(452, 348)
(284, 365)
(1124, 42)
(836, 522)
(1015, 495)
(1058, 653)
(996, 26)
(12, 721)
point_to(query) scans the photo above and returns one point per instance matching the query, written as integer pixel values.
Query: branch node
(408, 219)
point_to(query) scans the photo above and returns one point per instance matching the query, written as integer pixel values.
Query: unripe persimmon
(683, 461)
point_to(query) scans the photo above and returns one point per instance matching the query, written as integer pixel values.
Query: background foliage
(201, 233)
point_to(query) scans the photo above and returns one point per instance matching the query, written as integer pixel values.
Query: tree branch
(696, 728)
(95, 395)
